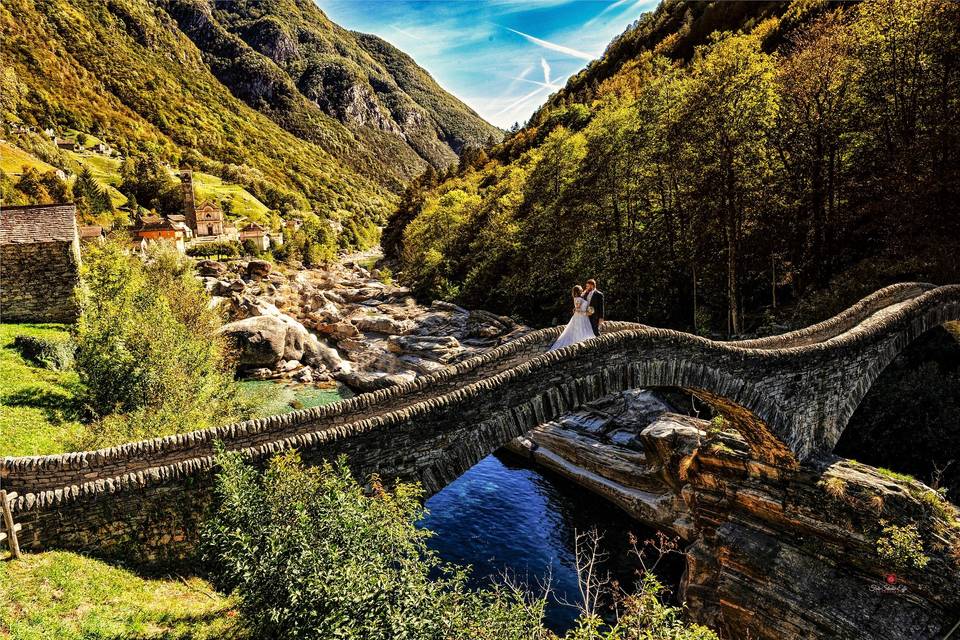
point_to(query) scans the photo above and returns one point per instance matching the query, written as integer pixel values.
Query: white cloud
(552, 46)
(546, 70)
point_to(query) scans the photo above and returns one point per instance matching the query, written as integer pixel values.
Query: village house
(67, 145)
(179, 221)
(39, 263)
(257, 235)
(157, 229)
(91, 234)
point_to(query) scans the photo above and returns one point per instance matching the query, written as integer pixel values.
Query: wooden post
(12, 528)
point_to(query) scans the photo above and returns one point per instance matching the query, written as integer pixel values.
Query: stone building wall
(37, 282)
(39, 263)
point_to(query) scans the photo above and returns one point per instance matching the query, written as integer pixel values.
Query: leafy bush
(148, 348)
(313, 555)
(51, 353)
(902, 547)
(216, 250)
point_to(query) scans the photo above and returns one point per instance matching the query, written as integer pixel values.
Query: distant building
(39, 263)
(256, 234)
(67, 145)
(91, 233)
(209, 217)
(157, 229)
(180, 222)
(102, 148)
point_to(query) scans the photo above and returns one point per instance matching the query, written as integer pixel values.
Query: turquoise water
(502, 515)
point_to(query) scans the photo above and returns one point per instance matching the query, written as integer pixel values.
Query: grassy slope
(209, 187)
(151, 89)
(36, 405)
(13, 159)
(105, 170)
(65, 596)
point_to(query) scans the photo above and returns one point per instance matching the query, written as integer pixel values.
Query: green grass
(91, 140)
(105, 170)
(209, 187)
(37, 405)
(896, 475)
(273, 398)
(65, 596)
(13, 159)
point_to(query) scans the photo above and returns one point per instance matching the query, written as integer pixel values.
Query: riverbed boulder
(211, 268)
(381, 323)
(444, 349)
(258, 269)
(260, 340)
(341, 330)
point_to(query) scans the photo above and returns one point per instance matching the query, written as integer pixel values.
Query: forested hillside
(721, 161)
(269, 94)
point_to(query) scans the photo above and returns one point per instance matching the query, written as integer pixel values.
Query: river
(505, 516)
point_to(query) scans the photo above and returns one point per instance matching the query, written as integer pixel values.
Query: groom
(594, 299)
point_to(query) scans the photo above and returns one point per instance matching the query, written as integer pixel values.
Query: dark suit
(596, 301)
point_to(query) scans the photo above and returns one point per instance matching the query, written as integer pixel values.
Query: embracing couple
(587, 315)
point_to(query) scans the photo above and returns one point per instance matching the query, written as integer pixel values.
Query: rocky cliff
(773, 552)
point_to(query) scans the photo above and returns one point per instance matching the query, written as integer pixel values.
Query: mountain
(724, 167)
(304, 113)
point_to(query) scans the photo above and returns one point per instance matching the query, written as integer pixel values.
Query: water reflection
(503, 515)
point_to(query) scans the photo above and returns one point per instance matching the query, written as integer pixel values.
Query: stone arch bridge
(789, 395)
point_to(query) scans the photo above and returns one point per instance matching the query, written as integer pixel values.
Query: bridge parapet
(790, 402)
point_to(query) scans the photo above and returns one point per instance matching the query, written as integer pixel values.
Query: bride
(578, 329)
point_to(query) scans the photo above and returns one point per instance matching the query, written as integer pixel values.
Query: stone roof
(155, 223)
(38, 223)
(91, 231)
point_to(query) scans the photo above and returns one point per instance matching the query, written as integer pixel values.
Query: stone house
(179, 221)
(256, 234)
(39, 263)
(91, 233)
(67, 145)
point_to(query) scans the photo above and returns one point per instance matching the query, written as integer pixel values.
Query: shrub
(51, 353)
(313, 555)
(216, 250)
(902, 547)
(148, 348)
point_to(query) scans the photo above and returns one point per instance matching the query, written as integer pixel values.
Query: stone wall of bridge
(145, 500)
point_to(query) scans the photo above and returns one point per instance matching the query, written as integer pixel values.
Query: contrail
(554, 46)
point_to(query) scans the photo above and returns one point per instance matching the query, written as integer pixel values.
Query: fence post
(11, 528)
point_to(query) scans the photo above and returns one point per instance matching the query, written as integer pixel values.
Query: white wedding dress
(578, 329)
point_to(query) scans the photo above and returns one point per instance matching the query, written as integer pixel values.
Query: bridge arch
(791, 396)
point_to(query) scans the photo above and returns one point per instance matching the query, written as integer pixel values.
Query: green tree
(143, 178)
(95, 198)
(148, 348)
(729, 107)
(313, 555)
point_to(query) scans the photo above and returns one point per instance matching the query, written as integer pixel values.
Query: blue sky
(502, 57)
